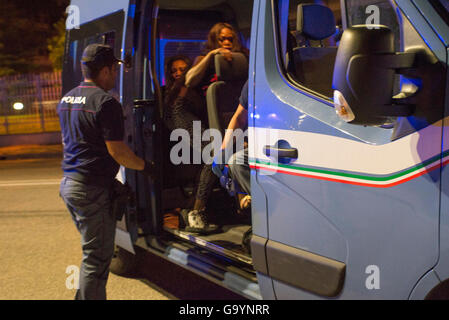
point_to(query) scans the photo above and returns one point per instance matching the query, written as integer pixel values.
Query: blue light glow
(132, 11)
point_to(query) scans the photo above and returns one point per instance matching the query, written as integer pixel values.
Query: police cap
(99, 55)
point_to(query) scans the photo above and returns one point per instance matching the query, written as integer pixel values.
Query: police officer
(92, 128)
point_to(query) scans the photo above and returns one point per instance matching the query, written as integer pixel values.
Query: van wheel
(440, 292)
(123, 263)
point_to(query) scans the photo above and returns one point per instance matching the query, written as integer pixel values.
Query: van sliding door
(141, 100)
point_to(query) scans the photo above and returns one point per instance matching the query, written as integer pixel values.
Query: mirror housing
(364, 75)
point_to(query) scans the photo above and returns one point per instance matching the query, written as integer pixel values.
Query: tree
(25, 27)
(5, 70)
(56, 45)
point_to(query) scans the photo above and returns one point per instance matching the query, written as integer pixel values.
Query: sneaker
(196, 221)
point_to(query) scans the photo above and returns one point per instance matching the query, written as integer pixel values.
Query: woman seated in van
(222, 39)
(182, 108)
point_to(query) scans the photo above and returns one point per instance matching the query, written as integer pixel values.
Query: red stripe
(353, 182)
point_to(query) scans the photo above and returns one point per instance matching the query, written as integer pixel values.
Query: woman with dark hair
(175, 68)
(222, 39)
(182, 108)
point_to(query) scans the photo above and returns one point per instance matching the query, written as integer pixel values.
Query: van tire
(123, 263)
(440, 292)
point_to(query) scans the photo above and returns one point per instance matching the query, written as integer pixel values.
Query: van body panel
(259, 212)
(442, 268)
(259, 217)
(266, 286)
(348, 210)
(91, 10)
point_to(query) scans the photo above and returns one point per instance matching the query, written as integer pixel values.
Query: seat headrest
(237, 69)
(315, 22)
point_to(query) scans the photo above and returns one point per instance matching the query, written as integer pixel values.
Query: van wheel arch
(440, 292)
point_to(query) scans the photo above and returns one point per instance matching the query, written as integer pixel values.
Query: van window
(182, 33)
(106, 30)
(309, 37)
(76, 48)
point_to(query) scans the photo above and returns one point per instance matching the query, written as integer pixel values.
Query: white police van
(352, 97)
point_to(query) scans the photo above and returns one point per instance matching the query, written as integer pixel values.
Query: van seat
(223, 95)
(313, 64)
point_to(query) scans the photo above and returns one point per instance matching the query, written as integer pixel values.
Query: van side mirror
(364, 75)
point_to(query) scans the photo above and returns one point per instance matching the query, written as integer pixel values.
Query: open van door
(142, 104)
(352, 210)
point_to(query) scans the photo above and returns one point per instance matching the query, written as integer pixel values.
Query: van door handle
(291, 153)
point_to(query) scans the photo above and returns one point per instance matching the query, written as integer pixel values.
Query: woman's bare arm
(197, 72)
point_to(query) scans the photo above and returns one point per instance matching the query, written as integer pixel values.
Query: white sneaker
(197, 219)
(197, 223)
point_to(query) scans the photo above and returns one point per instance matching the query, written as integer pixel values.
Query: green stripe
(356, 176)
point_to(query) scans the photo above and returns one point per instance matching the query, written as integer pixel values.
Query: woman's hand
(226, 53)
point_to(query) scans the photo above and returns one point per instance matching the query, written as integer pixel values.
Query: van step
(234, 278)
(227, 244)
(219, 261)
(216, 268)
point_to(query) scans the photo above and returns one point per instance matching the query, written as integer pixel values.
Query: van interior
(179, 181)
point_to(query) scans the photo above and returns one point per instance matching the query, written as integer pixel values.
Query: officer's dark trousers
(90, 207)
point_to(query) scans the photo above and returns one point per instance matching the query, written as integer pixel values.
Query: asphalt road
(38, 242)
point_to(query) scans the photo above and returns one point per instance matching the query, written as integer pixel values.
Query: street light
(18, 106)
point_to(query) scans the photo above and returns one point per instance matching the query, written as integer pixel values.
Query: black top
(89, 116)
